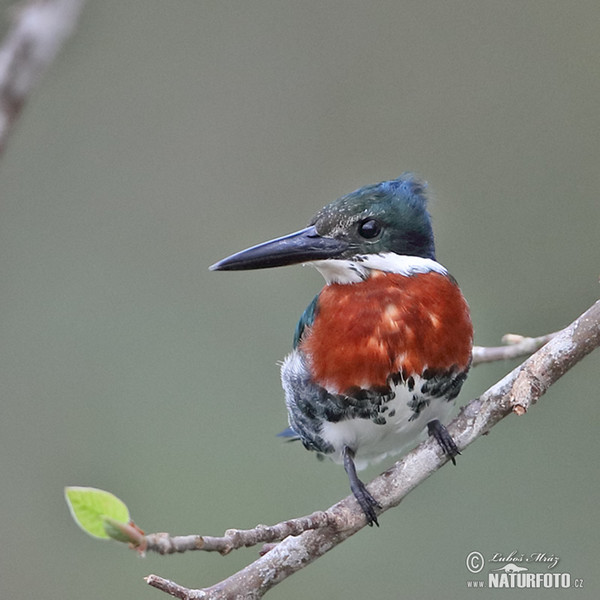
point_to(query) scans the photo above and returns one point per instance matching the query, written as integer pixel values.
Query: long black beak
(302, 246)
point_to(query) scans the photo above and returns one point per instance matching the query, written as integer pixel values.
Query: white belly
(373, 442)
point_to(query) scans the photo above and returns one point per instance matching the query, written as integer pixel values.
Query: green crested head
(386, 218)
(390, 216)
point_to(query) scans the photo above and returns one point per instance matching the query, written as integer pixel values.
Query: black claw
(444, 439)
(367, 503)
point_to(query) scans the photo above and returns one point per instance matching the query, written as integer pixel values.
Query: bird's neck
(361, 267)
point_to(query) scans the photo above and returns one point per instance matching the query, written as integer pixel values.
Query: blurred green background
(170, 134)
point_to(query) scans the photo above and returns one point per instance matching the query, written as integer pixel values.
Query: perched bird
(382, 351)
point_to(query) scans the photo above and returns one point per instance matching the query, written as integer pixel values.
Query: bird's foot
(367, 503)
(444, 439)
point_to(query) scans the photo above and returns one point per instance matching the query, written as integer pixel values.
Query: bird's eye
(369, 228)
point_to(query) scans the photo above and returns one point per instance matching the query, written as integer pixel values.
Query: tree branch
(39, 30)
(163, 543)
(515, 393)
(516, 346)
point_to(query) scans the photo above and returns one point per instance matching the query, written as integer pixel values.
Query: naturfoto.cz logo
(513, 574)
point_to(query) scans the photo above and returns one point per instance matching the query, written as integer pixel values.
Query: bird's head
(352, 234)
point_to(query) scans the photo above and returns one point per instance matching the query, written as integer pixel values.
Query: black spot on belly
(417, 403)
(446, 385)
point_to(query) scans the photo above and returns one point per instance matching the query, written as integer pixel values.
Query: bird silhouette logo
(511, 568)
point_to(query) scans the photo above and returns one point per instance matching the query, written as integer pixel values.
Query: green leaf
(91, 507)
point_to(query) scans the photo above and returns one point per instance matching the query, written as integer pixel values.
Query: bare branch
(39, 30)
(233, 539)
(516, 346)
(515, 393)
(172, 588)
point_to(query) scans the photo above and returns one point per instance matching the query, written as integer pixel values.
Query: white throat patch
(358, 268)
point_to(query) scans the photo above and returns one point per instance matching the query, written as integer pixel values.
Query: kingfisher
(381, 352)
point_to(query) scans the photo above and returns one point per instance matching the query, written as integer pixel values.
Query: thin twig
(170, 587)
(513, 394)
(516, 346)
(163, 543)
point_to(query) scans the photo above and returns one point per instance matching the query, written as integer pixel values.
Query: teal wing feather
(306, 320)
